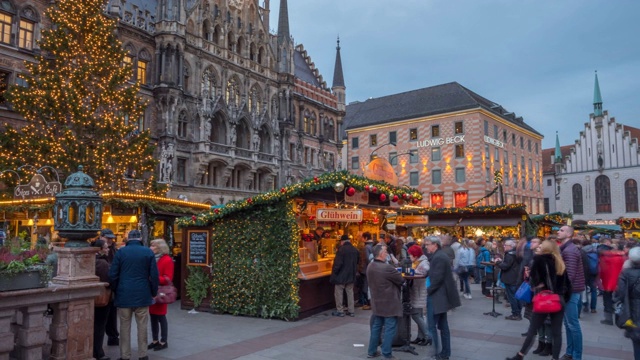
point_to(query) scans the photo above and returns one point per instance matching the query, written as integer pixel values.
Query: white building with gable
(595, 179)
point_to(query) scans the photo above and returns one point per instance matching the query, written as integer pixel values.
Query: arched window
(218, 129)
(312, 125)
(244, 136)
(183, 125)
(631, 195)
(577, 199)
(603, 194)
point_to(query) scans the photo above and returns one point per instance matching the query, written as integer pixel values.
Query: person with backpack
(628, 289)
(484, 256)
(591, 261)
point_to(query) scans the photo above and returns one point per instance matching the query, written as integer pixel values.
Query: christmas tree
(81, 104)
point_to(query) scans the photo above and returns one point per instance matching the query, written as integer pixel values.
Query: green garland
(255, 262)
(324, 181)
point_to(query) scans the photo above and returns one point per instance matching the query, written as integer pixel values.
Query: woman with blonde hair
(548, 272)
(158, 312)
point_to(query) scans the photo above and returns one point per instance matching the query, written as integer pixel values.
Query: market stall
(275, 250)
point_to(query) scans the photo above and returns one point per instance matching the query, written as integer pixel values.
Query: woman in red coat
(158, 312)
(611, 261)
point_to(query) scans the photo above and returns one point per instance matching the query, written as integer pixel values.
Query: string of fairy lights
(77, 104)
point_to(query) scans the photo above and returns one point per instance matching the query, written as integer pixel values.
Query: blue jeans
(390, 325)
(516, 306)
(445, 336)
(431, 326)
(592, 292)
(572, 327)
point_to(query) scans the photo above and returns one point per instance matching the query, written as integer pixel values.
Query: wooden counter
(316, 292)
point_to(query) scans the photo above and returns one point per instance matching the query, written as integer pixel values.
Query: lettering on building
(339, 215)
(493, 141)
(441, 141)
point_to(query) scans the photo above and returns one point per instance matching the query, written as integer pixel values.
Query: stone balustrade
(23, 322)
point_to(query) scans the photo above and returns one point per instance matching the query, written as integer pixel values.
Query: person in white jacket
(466, 260)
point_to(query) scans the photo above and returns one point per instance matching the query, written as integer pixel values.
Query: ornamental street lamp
(78, 210)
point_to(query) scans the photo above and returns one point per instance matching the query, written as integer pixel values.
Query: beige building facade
(448, 142)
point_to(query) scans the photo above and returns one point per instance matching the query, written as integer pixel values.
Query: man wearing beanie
(343, 276)
(134, 279)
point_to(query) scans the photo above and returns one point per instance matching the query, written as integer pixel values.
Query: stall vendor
(317, 239)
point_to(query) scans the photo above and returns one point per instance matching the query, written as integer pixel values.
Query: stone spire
(558, 155)
(597, 98)
(338, 77)
(285, 47)
(338, 87)
(284, 37)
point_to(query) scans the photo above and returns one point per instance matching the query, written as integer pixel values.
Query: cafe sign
(339, 215)
(601, 222)
(38, 187)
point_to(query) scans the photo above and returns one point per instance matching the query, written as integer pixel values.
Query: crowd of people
(133, 273)
(572, 268)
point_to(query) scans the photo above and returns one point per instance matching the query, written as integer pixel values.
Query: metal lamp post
(78, 210)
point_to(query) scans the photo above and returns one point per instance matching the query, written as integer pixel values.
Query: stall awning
(489, 222)
(442, 222)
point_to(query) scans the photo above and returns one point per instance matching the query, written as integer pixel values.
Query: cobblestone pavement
(474, 336)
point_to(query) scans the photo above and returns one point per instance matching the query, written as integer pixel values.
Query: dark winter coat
(442, 290)
(544, 265)
(573, 261)
(509, 268)
(629, 278)
(134, 275)
(345, 265)
(384, 282)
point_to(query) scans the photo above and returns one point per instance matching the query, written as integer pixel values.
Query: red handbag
(546, 301)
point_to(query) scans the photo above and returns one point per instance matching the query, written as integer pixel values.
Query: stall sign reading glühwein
(339, 215)
(38, 187)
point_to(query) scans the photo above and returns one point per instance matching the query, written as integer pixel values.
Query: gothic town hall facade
(234, 109)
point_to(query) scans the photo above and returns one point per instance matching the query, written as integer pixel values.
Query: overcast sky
(534, 57)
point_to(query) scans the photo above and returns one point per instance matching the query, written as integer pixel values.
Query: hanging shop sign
(339, 215)
(601, 222)
(38, 187)
(441, 141)
(381, 169)
(493, 141)
(413, 220)
(360, 197)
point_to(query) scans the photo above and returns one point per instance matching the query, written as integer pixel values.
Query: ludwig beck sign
(339, 215)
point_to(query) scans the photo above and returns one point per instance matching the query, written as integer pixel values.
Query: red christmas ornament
(216, 211)
(416, 201)
(366, 187)
(283, 190)
(374, 190)
(395, 198)
(193, 218)
(315, 178)
(405, 196)
(383, 197)
(351, 191)
(249, 200)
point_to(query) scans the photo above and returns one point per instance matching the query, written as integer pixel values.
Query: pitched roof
(634, 132)
(303, 70)
(547, 157)
(439, 99)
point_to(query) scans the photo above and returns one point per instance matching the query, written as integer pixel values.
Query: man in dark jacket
(573, 261)
(343, 276)
(509, 272)
(442, 296)
(384, 282)
(134, 278)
